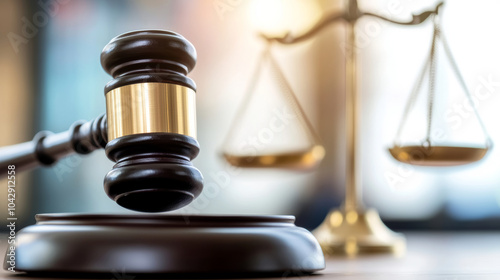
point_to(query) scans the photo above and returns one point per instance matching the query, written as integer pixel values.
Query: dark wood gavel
(149, 129)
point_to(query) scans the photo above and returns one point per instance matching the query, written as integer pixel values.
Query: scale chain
(293, 101)
(247, 96)
(432, 82)
(411, 101)
(461, 80)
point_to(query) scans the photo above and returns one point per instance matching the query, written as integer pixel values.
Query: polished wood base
(157, 244)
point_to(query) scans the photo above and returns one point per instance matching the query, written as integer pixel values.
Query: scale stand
(352, 229)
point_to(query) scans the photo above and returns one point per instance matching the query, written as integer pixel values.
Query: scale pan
(299, 160)
(437, 155)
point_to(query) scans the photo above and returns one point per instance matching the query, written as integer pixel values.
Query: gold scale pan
(306, 159)
(437, 155)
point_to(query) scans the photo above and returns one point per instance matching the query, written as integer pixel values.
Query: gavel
(149, 129)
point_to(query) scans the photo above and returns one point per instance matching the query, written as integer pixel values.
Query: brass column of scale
(352, 229)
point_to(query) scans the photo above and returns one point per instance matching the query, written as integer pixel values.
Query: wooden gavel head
(151, 117)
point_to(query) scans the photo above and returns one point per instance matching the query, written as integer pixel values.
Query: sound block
(158, 244)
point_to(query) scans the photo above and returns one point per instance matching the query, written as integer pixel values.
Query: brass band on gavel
(151, 107)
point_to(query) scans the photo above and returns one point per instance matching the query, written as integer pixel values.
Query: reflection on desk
(440, 256)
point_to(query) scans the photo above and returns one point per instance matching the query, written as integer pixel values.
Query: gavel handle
(47, 148)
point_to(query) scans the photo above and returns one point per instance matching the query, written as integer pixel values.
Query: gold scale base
(357, 232)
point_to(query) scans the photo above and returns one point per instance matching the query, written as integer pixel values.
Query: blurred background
(50, 77)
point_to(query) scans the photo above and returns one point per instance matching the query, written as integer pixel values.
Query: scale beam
(352, 14)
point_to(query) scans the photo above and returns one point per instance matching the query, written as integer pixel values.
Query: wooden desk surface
(433, 256)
